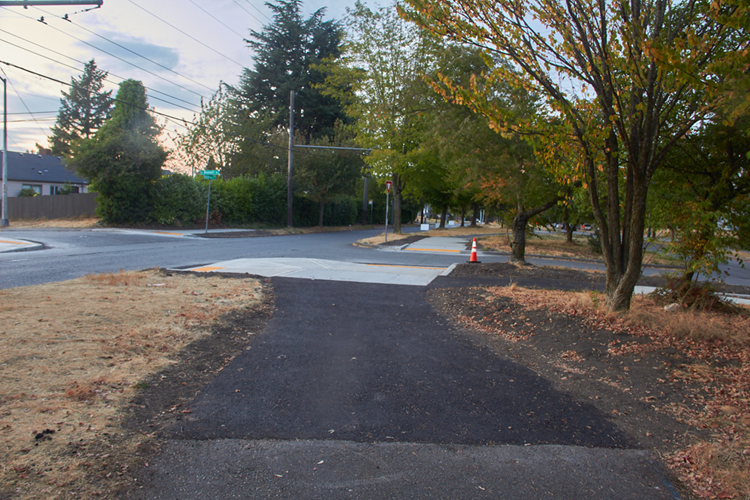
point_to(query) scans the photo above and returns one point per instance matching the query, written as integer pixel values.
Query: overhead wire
(79, 69)
(22, 101)
(217, 20)
(187, 35)
(128, 49)
(260, 11)
(248, 12)
(118, 58)
(70, 84)
(82, 62)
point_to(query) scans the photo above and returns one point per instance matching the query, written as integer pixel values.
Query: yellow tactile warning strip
(15, 242)
(206, 269)
(433, 250)
(410, 267)
(165, 232)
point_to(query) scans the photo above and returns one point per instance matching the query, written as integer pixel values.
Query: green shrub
(179, 200)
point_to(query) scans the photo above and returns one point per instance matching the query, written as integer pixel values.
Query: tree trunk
(443, 216)
(320, 213)
(398, 186)
(518, 245)
(475, 215)
(568, 226)
(422, 217)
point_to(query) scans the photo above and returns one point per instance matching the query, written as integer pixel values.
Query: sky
(180, 49)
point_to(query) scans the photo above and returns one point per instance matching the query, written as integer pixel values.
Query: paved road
(361, 391)
(67, 254)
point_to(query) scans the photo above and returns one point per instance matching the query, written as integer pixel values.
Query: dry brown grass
(719, 377)
(71, 356)
(555, 245)
(72, 223)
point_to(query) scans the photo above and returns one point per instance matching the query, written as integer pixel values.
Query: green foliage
(67, 188)
(123, 160)
(28, 192)
(83, 110)
(328, 175)
(287, 53)
(703, 194)
(178, 200)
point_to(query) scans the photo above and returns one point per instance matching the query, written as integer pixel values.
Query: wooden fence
(52, 207)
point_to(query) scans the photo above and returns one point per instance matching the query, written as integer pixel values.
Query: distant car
(586, 227)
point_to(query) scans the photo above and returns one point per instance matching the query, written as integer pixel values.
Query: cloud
(161, 55)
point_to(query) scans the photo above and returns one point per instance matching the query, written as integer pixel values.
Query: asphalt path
(359, 390)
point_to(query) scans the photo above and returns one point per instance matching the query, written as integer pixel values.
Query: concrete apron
(331, 270)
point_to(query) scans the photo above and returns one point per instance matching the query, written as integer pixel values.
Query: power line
(22, 101)
(79, 62)
(261, 12)
(248, 13)
(129, 50)
(187, 35)
(116, 57)
(78, 69)
(45, 119)
(217, 19)
(65, 83)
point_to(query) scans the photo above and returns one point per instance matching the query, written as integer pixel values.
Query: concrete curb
(15, 245)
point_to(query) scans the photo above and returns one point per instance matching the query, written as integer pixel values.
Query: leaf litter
(679, 382)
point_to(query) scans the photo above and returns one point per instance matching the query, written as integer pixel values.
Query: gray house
(45, 174)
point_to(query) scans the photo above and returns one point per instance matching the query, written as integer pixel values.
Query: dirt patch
(72, 223)
(673, 388)
(545, 275)
(556, 245)
(76, 356)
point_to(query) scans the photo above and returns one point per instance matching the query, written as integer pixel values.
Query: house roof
(27, 167)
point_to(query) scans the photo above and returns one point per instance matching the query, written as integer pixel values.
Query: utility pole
(4, 220)
(289, 185)
(25, 4)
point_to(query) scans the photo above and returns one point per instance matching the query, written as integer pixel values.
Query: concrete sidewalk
(329, 270)
(15, 245)
(440, 244)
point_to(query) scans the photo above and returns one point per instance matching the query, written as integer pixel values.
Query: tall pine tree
(83, 109)
(286, 52)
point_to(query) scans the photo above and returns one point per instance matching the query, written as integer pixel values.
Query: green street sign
(209, 174)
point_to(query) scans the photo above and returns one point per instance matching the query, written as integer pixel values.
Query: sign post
(210, 175)
(387, 196)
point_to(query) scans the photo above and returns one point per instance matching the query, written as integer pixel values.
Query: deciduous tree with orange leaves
(627, 80)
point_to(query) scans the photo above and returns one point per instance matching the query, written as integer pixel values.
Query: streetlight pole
(4, 220)
(289, 184)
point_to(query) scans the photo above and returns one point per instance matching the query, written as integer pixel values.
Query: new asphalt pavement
(362, 391)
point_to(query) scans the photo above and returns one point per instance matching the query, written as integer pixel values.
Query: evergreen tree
(83, 109)
(286, 54)
(123, 160)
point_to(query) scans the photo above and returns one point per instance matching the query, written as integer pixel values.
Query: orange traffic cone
(473, 259)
